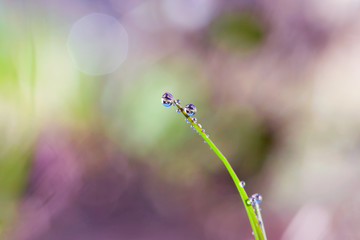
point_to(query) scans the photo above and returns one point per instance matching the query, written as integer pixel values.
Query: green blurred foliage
(237, 31)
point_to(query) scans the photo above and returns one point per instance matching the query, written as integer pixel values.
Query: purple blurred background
(88, 152)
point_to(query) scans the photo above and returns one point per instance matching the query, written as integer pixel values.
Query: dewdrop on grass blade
(251, 204)
(257, 198)
(190, 109)
(167, 99)
(252, 201)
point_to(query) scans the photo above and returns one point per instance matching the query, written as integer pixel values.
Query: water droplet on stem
(190, 109)
(257, 198)
(167, 99)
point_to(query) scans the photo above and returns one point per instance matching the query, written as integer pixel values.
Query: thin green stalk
(260, 220)
(258, 234)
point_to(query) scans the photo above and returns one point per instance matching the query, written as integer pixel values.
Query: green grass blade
(258, 234)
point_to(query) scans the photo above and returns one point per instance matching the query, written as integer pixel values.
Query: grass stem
(259, 234)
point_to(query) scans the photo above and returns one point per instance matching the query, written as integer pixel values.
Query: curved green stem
(258, 234)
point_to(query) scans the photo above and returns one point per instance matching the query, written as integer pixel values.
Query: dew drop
(203, 130)
(257, 198)
(177, 101)
(192, 126)
(190, 109)
(207, 135)
(167, 99)
(204, 141)
(194, 120)
(248, 202)
(187, 121)
(178, 111)
(199, 125)
(242, 183)
(251, 201)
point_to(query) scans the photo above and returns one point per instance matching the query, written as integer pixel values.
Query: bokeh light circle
(189, 15)
(98, 44)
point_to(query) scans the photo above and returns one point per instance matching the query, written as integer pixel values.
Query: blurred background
(88, 152)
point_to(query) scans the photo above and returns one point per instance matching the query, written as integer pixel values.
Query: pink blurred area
(88, 152)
